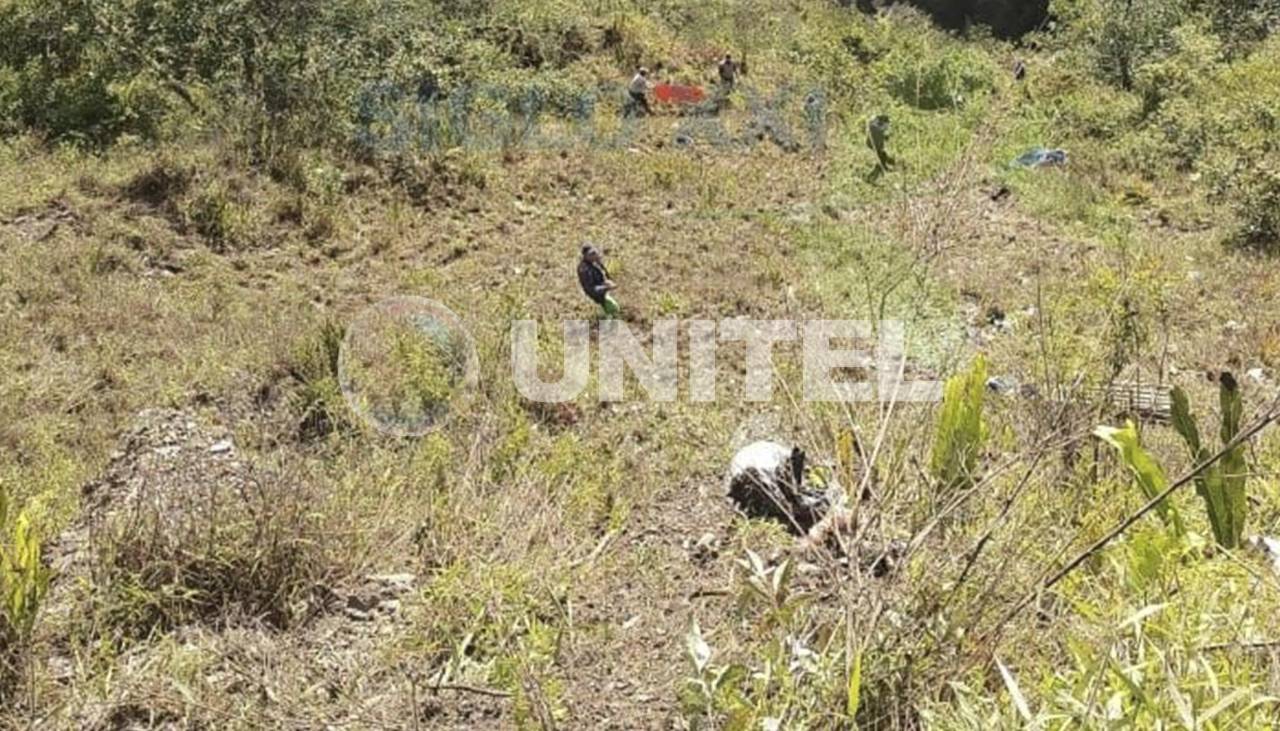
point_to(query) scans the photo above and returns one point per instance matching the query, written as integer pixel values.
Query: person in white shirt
(639, 91)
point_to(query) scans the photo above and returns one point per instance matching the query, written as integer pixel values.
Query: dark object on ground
(1019, 70)
(592, 274)
(887, 561)
(1006, 18)
(766, 480)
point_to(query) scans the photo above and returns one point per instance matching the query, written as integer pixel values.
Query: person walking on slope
(877, 136)
(594, 278)
(639, 91)
(728, 70)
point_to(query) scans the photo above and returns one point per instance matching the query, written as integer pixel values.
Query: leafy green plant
(24, 582)
(961, 430)
(1221, 484)
(770, 585)
(1146, 471)
(711, 687)
(1120, 36)
(939, 81)
(1257, 204)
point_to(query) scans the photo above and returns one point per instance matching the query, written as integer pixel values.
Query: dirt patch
(38, 224)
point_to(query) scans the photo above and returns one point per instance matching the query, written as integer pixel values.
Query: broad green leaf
(854, 696)
(1144, 468)
(1183, 422)
(1232, 406)
(961, 430)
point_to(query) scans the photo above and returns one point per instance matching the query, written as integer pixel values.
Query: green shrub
(1117, 37)
(961, 430)
(1257, 208)
(1242, 23)
(23, 583)
(1192, 57)
(936, 80)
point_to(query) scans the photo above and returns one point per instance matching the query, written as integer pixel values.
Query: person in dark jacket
(594, 278)
(728, 71)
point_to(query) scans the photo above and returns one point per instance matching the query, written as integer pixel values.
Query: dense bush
(936, 80)
(1117, 37)
(1257, 208)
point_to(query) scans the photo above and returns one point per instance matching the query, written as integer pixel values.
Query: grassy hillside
(197, 200)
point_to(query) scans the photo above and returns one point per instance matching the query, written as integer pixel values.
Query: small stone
(221, 446)
(397, 583)
(1002, 385)
(61, 668)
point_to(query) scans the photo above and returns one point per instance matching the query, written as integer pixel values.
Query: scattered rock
(704, 550)
(161, 464)
(395, 583)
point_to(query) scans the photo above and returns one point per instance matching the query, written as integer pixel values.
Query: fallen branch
(1257, 645)
(476, 689)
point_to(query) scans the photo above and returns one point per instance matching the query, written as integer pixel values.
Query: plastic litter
(1002, 385)
(1039, 157)
(1269, 547)
(678, 94)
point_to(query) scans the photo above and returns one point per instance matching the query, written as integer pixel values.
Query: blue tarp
(1040, 157)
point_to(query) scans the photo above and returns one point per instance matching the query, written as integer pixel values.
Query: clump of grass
(217, 215)
(253, 552)
(313, 364)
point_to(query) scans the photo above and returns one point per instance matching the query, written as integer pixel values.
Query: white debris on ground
(1269, 547)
